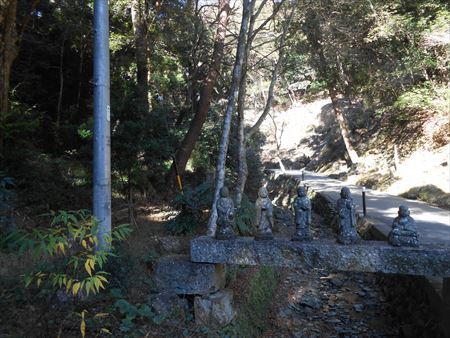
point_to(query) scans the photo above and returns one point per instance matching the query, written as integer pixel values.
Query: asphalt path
(433, 223)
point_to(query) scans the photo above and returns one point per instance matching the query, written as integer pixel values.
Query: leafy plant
(70, 250)
(192, 203)
(245, 217)
(132, 312)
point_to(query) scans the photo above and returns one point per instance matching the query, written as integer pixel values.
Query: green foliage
(68, 252)
(245, 217)
(426, 96)
(252, 316)
(192, 203)
(131, 313)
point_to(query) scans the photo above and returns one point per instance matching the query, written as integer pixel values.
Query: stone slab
(367, 256)
(178, 274)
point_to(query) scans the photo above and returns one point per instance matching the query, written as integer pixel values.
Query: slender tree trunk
(8, 53)
(247, 9)
(315, 39)
(187, 145)
(140, 29)
(242, 149)
(61, 85)
(242, 138)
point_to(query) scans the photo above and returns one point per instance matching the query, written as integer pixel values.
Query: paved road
(433, 223)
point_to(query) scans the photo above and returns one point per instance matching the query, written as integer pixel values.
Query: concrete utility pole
(102, 134)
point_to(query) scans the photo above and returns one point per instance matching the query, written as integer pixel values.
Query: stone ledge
(368, 256)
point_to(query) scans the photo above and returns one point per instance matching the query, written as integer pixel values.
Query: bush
(245, 217)
(192, 203)
(69, 252)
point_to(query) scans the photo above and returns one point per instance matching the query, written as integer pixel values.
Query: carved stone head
(403, 211)
(301, 192)
(263, 192)
(345, 192)
(224, 192)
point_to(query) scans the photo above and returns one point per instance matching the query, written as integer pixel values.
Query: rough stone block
(181, 276)
(168, 304)
(215, 310)
(366, 256)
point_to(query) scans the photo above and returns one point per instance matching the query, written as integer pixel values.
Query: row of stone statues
(403, 233)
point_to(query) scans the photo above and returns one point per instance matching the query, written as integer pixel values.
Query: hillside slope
(307, 135)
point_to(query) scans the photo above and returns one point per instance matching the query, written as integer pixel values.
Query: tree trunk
(140, 29)
(61, 86)
(242, 148)
(242, 138)
(273, 81)
(8, 53)
(247, 9)
(187, 145)
(343, 125)
(315, 39)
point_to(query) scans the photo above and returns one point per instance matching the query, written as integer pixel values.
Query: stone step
(366, 256)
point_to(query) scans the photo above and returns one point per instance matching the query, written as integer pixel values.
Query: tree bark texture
(242, 149)
(223, 147)
(190, 139)
(140, 28)
(8, 53)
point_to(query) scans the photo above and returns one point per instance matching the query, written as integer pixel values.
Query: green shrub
(252, 317)
(427, 96)
(245, 217)
(69, 252)
(192, 203)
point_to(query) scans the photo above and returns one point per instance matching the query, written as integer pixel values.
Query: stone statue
(225, 216)
(404, 230)
(264, 215)
(302, 209)
(347, 218)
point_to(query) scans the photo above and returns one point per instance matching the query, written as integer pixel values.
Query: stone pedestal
(214, 310)
(179, 275)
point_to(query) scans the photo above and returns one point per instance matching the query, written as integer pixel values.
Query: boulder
(214, 310)
(179, 275)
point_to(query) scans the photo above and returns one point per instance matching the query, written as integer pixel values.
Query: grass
(252, 316)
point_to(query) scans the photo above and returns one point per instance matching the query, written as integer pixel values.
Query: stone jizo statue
(264, 215)
(225, 216)
(302, 209)
(347, 218)
(404, 230)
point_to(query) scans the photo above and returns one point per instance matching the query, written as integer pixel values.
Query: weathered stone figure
(264, 215)
(347, 218)
(404, 230)
(302, 209)
(225, 216)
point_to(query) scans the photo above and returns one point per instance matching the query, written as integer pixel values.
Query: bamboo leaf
(76, 287)
(88, 267)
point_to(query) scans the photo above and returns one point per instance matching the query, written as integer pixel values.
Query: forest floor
(307, 134)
